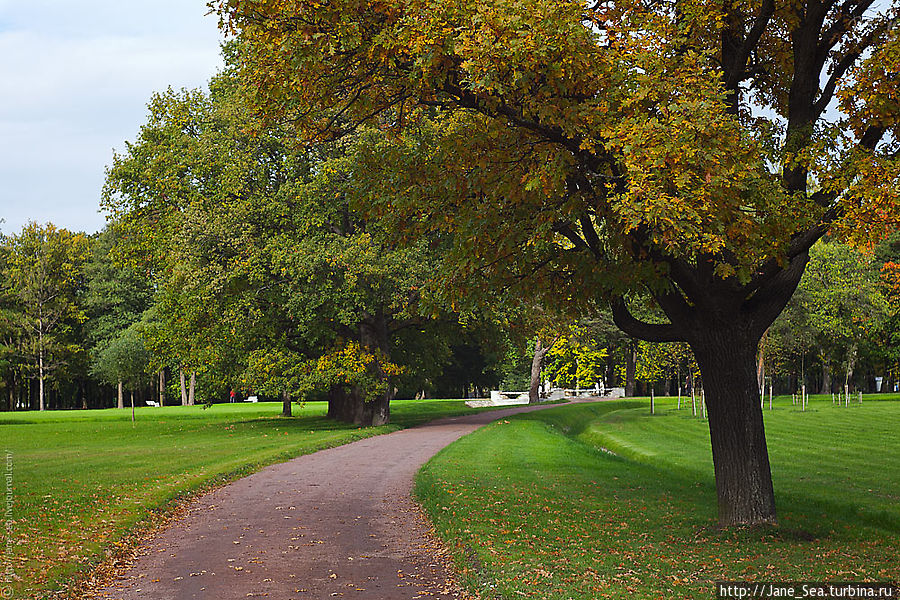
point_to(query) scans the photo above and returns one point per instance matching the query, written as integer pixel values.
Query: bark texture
(285, 404)
(743, 477)
(825, 357)
(350, 406)
(537, 363)
(184, 396)
(349, 403)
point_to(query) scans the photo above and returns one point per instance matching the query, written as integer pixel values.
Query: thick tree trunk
(537, 362)
(630, 368)
(350, 407)
(162, 387)
(743, 478)
(192, 388)
(121, 395)
(285, 404)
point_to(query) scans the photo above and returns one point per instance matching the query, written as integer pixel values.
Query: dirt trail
(338, 523)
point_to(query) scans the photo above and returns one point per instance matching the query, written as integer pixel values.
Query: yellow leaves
(872, 201)
(725, 270)
(354, 365)
(871, 97)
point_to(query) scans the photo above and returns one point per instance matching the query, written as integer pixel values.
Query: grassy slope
(83, 479)
(536, 508)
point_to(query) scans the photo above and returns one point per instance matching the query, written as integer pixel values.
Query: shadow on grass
(810, 517)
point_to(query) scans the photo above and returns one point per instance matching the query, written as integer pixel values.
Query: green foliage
(598, 129)
(124, 359)
(841, 294)
(350, 367)
(658, 362)
(575, 362)
(43, 277)
(116, 295)
(264, 269)
(840, 303)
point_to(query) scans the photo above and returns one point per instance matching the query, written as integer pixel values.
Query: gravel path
(338, 523)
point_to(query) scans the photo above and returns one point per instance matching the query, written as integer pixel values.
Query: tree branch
(590, 235)
(649, 332)
(739, 64)
(565, 230)
(848, 14)
(770, 300)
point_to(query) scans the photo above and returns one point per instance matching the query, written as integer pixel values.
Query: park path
(339, 523)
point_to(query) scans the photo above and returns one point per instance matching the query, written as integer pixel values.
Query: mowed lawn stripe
(535, 507)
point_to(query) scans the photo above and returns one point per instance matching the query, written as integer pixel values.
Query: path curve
(336, 523)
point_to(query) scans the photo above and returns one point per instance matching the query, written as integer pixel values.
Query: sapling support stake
(703, 402)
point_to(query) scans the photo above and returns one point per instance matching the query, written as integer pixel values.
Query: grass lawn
(82, 480)
(605, 501)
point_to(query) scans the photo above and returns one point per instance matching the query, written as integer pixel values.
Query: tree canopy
(695, 150)
(268, 278)
(43, 274)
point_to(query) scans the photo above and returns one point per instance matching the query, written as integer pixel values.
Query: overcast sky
(75, 79)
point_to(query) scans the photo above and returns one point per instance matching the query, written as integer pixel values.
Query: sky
(75, 79)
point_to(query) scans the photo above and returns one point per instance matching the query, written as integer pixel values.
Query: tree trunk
(743, 476)
(121, 394)
(825, 355)
(349, 406)
(537, 363)
(192, 388)
(851, 363)
(630, 368)
(184, 396)
(286, 404)
(678, 381)
(761, 365)
(162, 387)
(41, 372)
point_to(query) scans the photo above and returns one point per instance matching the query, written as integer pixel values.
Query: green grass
(606, 501)
(84, 480)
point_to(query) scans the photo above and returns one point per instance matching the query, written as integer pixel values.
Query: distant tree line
(84, 325)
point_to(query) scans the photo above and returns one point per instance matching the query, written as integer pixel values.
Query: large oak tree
(267, 279)
(691, 149)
